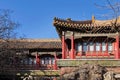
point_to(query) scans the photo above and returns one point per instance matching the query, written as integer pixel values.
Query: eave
(88, 26)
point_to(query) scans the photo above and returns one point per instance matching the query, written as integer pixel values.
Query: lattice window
(91, 46)
(110, 47)
(97, 46)
(79, 47)
(103, 46)
(85, 47)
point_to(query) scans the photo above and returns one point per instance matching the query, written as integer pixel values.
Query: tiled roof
(86, 23)
(88, 26)
(36, 43)
(70, 23)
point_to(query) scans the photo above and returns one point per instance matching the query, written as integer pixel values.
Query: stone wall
(87, 72)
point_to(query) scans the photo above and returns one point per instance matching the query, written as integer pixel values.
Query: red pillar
(114, 48)
(107, 47)
(63, 45)
(100, 48)
(55, 64)
(94, 49)
(66, 52)
(117, 48)
(72, 47)
(37, 61)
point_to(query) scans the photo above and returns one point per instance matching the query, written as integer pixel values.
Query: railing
(94, 55)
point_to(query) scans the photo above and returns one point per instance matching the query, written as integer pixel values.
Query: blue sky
(36, 16)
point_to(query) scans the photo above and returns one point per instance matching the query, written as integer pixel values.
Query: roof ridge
(32, 40)
(39, 40)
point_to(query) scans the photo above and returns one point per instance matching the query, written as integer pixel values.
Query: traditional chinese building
(96, 39)
(33, 57)
(88, 41)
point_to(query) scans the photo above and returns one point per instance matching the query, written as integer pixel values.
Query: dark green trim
(32, 73)
(78, 62)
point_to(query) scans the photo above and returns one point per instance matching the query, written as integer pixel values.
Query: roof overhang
(87, 27)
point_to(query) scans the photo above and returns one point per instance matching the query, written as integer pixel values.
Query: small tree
(112, 7)
(7, 27)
